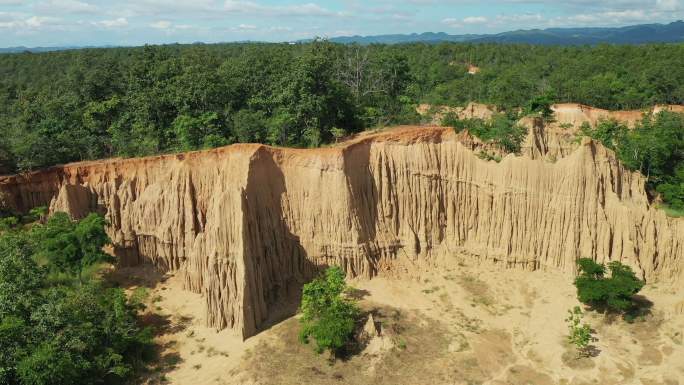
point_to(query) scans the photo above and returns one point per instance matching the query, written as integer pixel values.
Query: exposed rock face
(565, 114)
(246, 224)
(471, 111)
(575, 114)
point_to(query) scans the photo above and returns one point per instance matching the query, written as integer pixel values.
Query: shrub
(579, 334)
(613, 293)
(501, 130)
(71, 246)
(327, 316)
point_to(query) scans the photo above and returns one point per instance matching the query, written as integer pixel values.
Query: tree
(193, 133)
(579, 334)
(613, 293)
(56, 333)
(313, 98)
(502, 130)
(338, 133)
(48, 365)
(21, 279)
(250, 126)
(69, 247)
(327, 316)
(39, 213)
(541, 105)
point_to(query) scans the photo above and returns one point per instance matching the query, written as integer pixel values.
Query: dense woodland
(60, 323)
(59, 107)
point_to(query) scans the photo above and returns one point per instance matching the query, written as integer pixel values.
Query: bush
(501, 130)
(613, 293)
(72, 246)
(579, 334)
(327, 316)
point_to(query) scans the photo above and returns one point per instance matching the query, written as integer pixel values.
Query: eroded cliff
(246, 224)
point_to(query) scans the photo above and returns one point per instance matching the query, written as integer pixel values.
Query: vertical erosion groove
(247, 225)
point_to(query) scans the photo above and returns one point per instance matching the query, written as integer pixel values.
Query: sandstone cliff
(246, 224)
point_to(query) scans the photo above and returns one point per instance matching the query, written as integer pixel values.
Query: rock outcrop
(245, 225)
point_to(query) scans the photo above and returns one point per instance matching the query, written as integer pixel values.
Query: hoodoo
(245, 225)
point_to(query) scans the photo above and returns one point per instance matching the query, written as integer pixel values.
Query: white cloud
(475, 20)
(615, 17)
(246, 27)
(115, 23)
(161, 24)
(527, 17)
(39, 21)
(22, 24)
(470, 20)
(307, 9)
(65, 6)
(170, 28)
(668, 5)
(280, 29)
(452, 22)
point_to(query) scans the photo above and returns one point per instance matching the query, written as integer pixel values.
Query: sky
(48, 23)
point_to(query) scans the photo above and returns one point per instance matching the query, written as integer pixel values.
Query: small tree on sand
(614, 292)
(579, 334)
(327, 316)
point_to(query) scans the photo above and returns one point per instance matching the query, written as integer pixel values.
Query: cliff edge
(246, 224)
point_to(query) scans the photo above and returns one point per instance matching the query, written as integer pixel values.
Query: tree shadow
(162, 359)
(641, 307)
(145, 275)
(357, 294)
(591, 350)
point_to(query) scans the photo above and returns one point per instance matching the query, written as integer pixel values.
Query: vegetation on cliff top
(66, 106)
(502, 130)
(655, 146)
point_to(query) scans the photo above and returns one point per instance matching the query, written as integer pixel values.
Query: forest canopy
(67, 106)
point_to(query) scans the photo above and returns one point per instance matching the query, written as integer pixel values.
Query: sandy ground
(456, 323)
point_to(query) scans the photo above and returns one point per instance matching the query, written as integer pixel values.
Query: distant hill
(46, 49)
(635, 34)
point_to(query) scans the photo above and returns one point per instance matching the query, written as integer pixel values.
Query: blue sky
(135, 22)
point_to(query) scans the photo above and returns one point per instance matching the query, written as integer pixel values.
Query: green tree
(313, 98)
(49, 364)
(71, 246)
(541, 105)
(502, 130)
(613, 293)
(51, 333)
(193, 133)
(21, 279)
(250, 126)
(327, 316)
